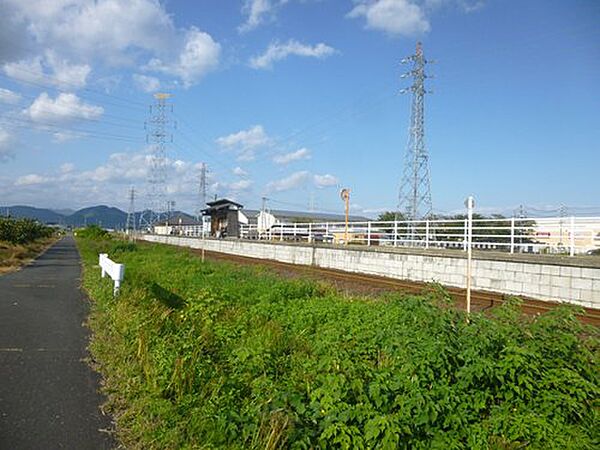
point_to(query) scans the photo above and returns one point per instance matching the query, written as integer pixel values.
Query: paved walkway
(48, 396)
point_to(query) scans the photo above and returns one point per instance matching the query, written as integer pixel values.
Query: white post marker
(512, 235)
(572, 238)
(470, 204)
(115, 271)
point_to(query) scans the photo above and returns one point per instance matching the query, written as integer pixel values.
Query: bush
(22, 231)
(93, 232)
(122, 247)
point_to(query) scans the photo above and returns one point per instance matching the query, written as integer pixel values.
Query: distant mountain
(42, 214)
(101, 215)
(64, 212)
(104, 216)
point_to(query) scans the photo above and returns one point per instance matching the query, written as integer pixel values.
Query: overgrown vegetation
(20, 241)
(216, 356)
(22, 231)
(93, 232)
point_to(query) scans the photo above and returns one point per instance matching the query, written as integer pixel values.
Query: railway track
(480, 300)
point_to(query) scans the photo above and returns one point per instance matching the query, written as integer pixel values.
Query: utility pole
(415, 188)
(311, 202)
(562, 212)
(470, 205)
(521, 215)
(130, 224)
(158, 134)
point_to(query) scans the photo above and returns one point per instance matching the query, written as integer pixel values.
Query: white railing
(114, 270)
(557, 235)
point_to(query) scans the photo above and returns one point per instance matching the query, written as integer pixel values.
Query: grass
(211, 355)
(15, 256)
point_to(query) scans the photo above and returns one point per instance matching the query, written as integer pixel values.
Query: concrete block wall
(543, 281)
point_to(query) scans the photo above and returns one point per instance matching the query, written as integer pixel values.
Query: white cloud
(67, 75)
(278, 51)
(13, 33)
(115, 32)
(290, 182)
(240, 185)
(326, 180)
(9, 97)
(257, 11)
(27, 70)
(62, 109)
(65, 136)
(6, 146)
(246, 142)
(49, 70)
(107, 183)
(301, 178)
(110, 29)
(28, 180)
(122, 167)
(395, 17)
(146, 83)
(238, 171)
(200, 54)
(67, 167)
(287, 158)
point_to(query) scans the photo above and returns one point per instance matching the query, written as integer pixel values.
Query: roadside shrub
(22, 231)
(122, 247)
(93, 232)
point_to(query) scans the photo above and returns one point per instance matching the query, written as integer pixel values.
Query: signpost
(345, 196)
(470, 205)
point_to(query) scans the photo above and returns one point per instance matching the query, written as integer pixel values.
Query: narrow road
(48, 395)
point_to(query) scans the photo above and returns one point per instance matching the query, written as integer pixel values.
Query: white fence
(114, 270)
(557, 235)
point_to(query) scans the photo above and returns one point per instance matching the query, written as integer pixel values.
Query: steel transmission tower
(202, 192)
(158, 135)
(414, 199)
(130, 225)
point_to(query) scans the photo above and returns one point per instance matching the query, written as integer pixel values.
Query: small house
(225, 218)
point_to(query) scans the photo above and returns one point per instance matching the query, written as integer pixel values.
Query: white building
(181, 225)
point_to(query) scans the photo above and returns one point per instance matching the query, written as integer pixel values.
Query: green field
(218, 356)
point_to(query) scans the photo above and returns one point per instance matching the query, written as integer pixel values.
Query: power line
(56, 82)
(79, 133)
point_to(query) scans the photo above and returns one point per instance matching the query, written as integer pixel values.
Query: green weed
(218, 356)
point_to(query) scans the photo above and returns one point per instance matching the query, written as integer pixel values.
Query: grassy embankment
(217, 356)
(21, 240)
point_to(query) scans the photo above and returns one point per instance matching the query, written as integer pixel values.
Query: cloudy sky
(294, 99)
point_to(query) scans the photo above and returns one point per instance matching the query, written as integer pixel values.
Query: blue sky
(294, 99)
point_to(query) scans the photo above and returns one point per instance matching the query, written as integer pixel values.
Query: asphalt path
(48, 395)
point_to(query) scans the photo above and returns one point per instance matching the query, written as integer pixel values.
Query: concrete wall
(544, 281)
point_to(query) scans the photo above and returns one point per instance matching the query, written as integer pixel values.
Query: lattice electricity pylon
(158, 134)
(202, 190)
(130, 225)
(414, 199)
